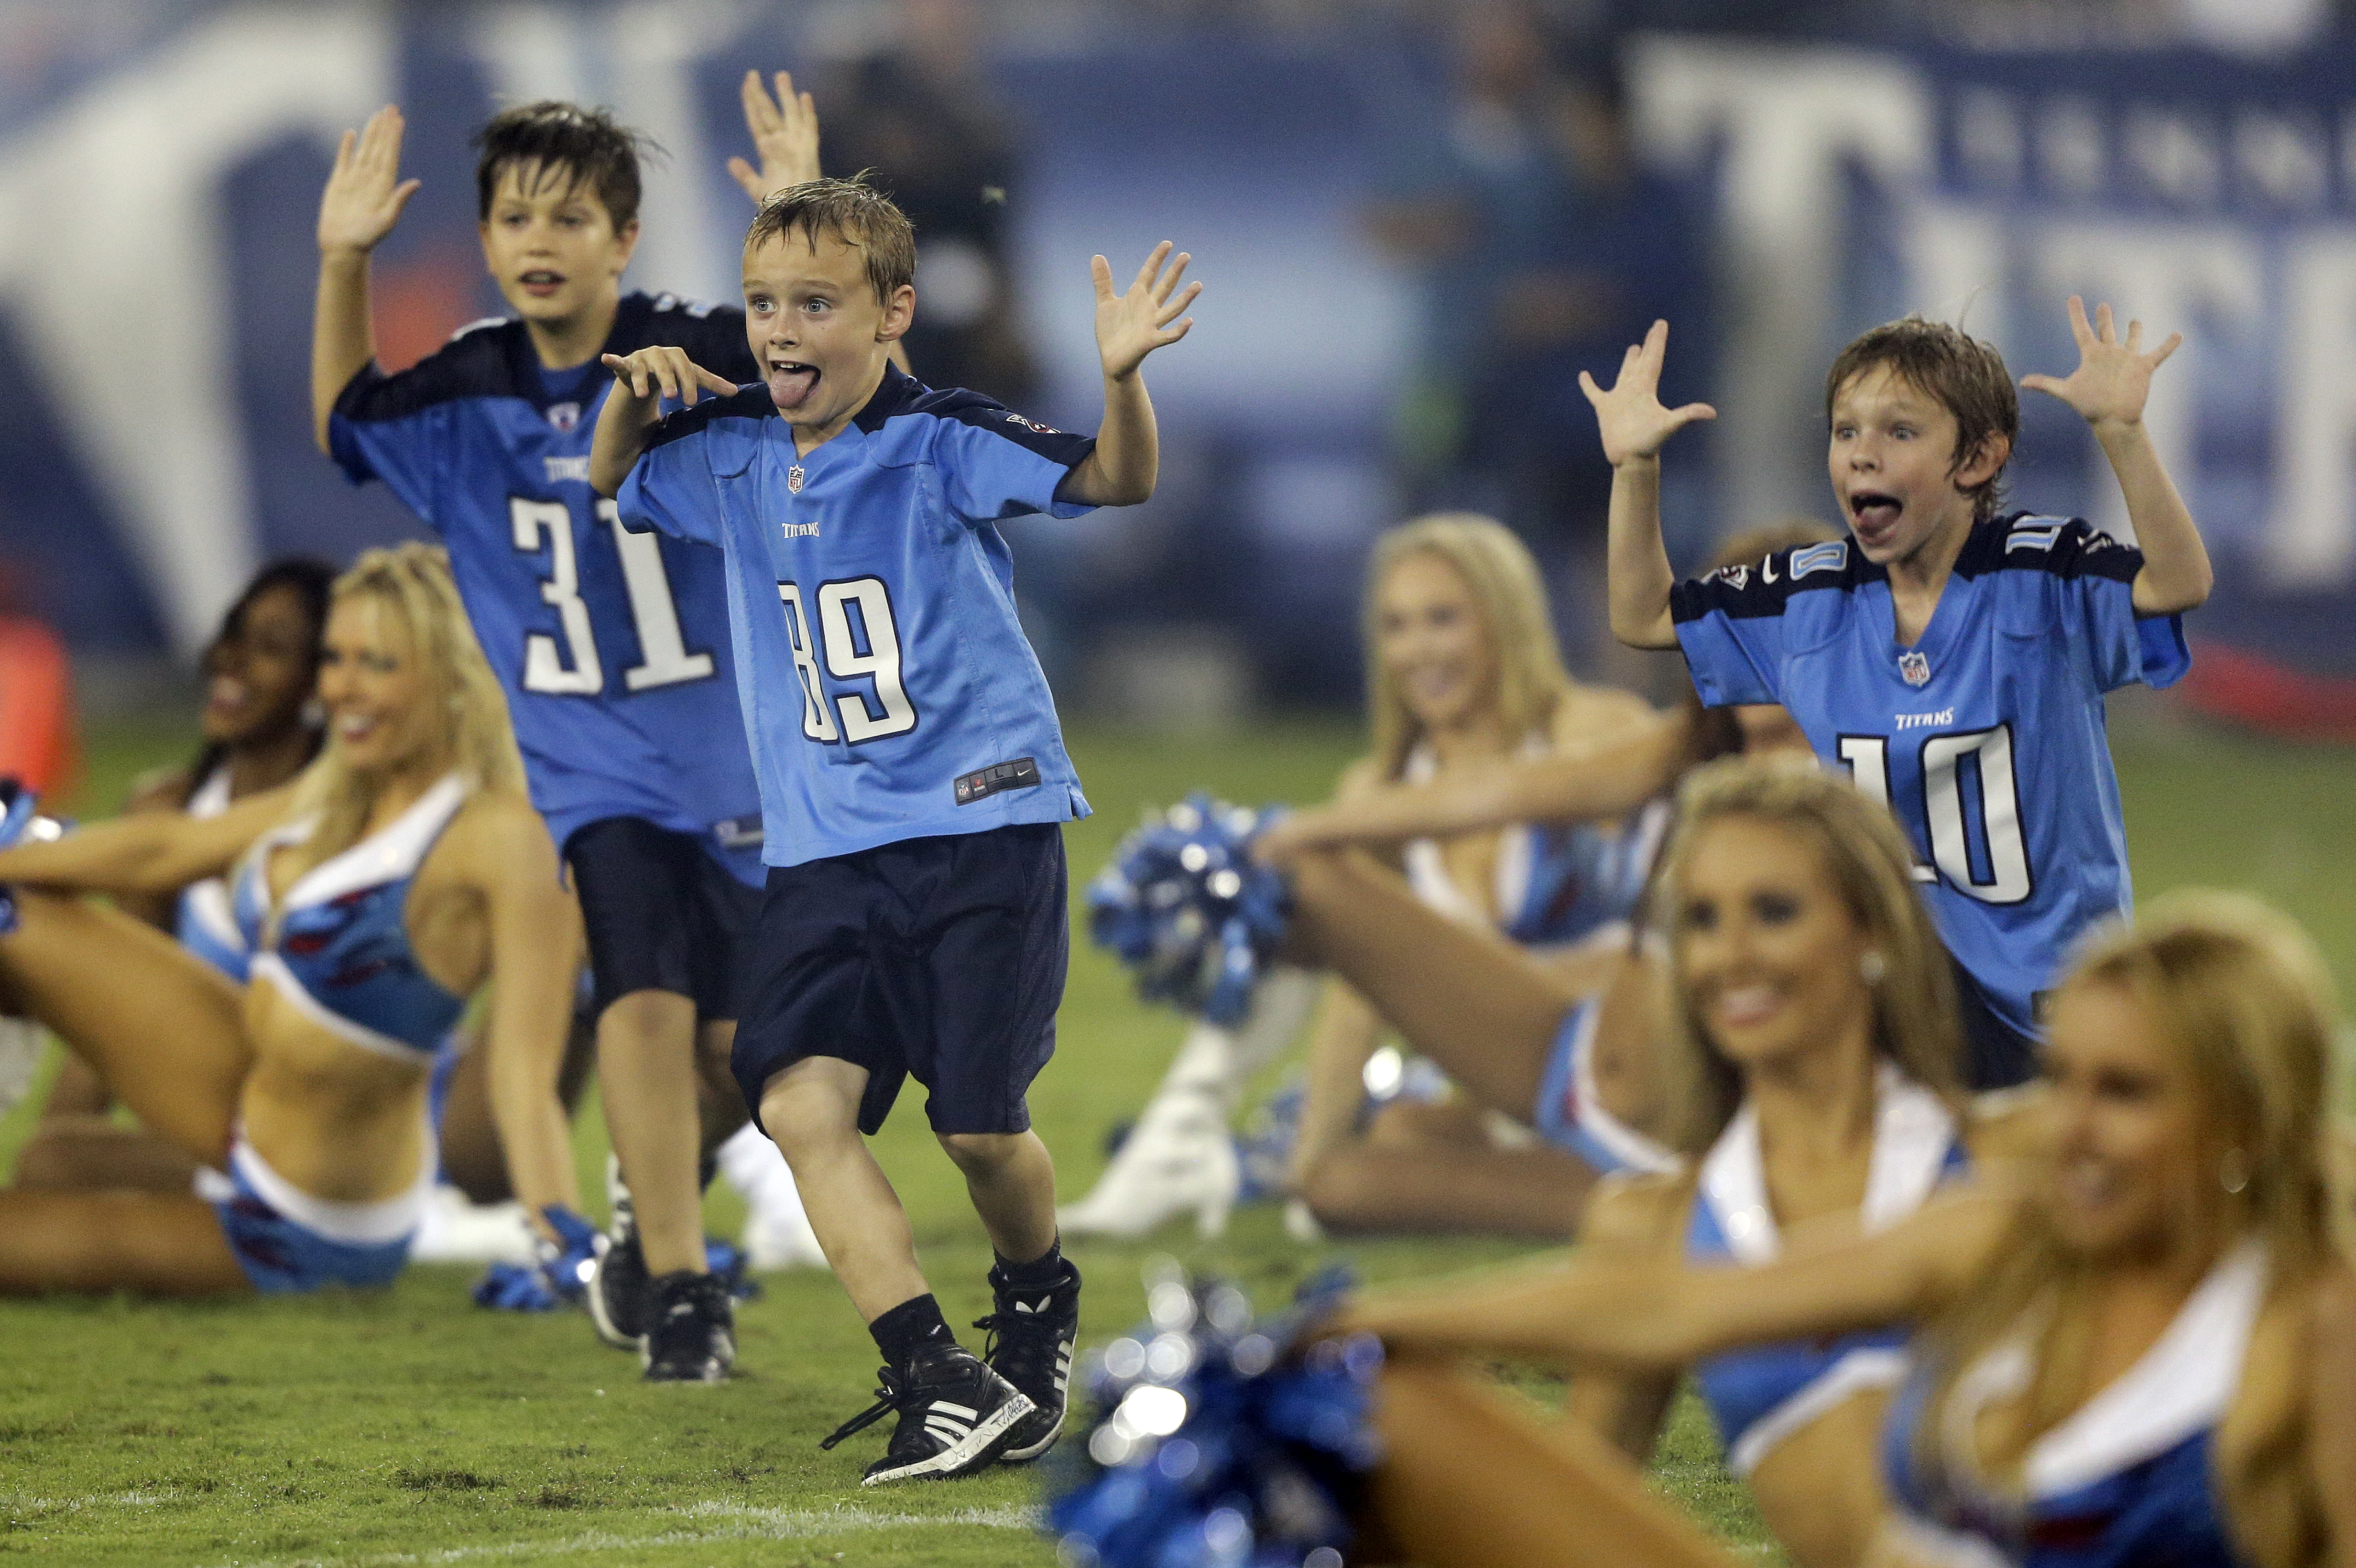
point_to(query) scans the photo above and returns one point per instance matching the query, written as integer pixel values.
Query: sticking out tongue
(790, 385)
(1875, 515)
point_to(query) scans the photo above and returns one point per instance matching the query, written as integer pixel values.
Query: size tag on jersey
(1023, 773)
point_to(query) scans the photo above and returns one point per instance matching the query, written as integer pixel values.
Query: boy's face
(815, 327)
(1893, 465)
(550, 245)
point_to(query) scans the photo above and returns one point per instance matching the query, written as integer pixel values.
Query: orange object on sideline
(40, 740)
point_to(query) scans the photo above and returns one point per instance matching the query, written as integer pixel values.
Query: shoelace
(1036, 1337)
(888, 1395)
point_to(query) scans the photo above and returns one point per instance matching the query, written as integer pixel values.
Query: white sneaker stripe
(964, 1412)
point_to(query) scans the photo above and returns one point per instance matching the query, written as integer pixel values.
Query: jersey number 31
(576, 671)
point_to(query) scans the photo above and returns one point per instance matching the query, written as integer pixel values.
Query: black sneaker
(1032, 1336)
(619, 1292)
(955, 1416)
(692, 1331)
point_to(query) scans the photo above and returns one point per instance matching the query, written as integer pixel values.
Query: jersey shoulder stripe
(2060, 546)
(487, 359)
(902, 396)
(712, 335)
(751, 403)
(1765, 587)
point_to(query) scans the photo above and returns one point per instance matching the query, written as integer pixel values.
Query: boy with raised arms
(1953, 658)
(913, 777)
(611, 647)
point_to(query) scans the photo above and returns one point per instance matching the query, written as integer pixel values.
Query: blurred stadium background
(1417, 220)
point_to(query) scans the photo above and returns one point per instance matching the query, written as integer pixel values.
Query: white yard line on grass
(737, 1522)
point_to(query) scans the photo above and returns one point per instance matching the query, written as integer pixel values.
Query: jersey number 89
(862, 642)
(663, 658)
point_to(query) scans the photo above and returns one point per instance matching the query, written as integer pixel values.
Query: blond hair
(412, 582)
(1871, 865)
(1499, 572)
(2239, 998)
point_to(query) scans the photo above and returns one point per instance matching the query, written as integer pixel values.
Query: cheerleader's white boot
(1180, 1159)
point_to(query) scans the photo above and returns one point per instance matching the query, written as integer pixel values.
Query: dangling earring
(313, 714)
(1872, 967)
(2233, 1171)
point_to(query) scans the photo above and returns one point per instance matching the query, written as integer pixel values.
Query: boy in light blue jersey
(913, 775)
(610, 647)
(1953, 659)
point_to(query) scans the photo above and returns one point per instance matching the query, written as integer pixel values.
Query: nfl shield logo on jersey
(1914, 667)
(564, 416)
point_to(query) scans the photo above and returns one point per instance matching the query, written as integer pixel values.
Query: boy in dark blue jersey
(610, 644)
(912, 777)
(1953, 659)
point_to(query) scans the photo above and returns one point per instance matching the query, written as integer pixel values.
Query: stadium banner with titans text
(2209, 194)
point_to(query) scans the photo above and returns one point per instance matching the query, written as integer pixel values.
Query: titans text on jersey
(1987, 738)
(887, 687)
(609, 643)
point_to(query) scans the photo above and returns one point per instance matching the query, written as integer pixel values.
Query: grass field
(408, 1427)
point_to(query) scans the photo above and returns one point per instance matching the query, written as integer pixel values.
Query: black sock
(915, 1327)
(1042, 1273)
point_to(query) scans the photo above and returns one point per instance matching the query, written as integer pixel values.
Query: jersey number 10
(663, 658)
(1943, 811)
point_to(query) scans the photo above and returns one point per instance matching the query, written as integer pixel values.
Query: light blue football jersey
(610, 646)
(1987, 738)
(887, 683)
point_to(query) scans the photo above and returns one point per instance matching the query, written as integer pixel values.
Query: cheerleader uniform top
(339, 948)
(2129, 1479)
(1760, 1394)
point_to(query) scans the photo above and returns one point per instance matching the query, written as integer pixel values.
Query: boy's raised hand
(1630, 416)
(2113, 379)
(365, 191)
(666, 370)
(1134, 325)
(784, 132)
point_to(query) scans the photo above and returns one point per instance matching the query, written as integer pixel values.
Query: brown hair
(1869, 861)
(587, 146)
(2239, 998)
(852, 211)
(1965, 374)
(1510, 596)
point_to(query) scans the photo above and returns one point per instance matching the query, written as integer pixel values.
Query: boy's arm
(363, 200)
(1121, 472)
(641, 381)
(1633, 426)
(784, 132)
(2108, 390)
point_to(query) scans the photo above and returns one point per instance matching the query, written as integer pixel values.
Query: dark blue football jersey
(1987, 738)
(613, 645)
(888, 688)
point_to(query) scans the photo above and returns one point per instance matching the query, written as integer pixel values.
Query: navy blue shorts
(1995, 1054)
(663, 914)
(938, 957)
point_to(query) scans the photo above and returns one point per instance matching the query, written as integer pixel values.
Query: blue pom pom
(1216, 1443)
(1185, 905)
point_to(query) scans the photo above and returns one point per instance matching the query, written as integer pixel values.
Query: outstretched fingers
(1101, 271)
(1173, 308)
(1152, 268)
(2158, 355)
